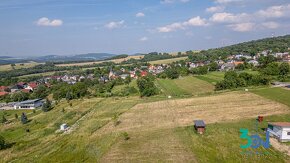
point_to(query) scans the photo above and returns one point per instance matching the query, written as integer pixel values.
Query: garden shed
(199, 126)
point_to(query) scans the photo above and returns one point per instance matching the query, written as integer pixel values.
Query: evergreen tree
(24, 119)
(46, 106)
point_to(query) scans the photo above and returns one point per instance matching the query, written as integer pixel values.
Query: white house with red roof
(280, 130)
(32, 86)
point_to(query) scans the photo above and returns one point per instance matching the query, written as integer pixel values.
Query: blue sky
(61, 27)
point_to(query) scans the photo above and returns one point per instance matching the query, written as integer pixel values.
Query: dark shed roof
(199, 123)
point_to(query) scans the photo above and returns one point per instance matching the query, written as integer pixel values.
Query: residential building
(29, 104)
(280, 130)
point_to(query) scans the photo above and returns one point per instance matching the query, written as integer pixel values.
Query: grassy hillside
(159, 131)
(167, 61)
(212, 77)
(18, 66)
(184, 86)
(277, 94)
(97, 62)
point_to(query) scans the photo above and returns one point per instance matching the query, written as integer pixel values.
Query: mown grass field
(10, 114)
(97, 62)
(184, 86)
(212, 77)
(162, 131)
(159, 131)
(117, 89)
(167, 61)
(278, 94)
(18, 66)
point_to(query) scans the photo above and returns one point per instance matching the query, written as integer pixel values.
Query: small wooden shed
(199, 126)
(63, 127)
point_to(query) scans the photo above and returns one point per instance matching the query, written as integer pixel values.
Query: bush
(2, 142)
(233, 80)
(172, 73)
(46, 106)
(126, 136)
(24, 119)
(146, 86)
(3, 119)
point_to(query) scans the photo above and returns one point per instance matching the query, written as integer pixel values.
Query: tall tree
(24, 119)
(46, 106)
(284, 69)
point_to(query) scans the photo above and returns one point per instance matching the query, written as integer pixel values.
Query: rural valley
(229, 101)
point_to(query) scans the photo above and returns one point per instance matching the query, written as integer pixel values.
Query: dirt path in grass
(280, 147)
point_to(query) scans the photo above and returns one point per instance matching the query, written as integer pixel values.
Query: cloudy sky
(61, 27)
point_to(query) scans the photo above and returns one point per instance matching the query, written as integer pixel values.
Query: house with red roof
(3, 88)
(144, 73)
(26, 90)
(3, 93)
(32, 86)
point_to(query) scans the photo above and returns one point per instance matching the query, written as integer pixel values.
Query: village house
(32, 86)
(254, 62)
(3, 93)
(4, 89)
(144, 73)
(22, 84)
(124, 76)
(29, 104)
(238, 62)
(227, 66)
(195, 65)
(15, 88)
(280, 130)
(286, 58)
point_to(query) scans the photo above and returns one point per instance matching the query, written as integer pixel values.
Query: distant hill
(57, 58)
(5, 57)
(276, 44)
(78, 57)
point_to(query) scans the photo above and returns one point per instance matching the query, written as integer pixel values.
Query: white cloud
(226, 1)
(225, 17)
(140, 14)
(143, 39)
(215, 9)
(173, 1)
(271, 25)
(184, 1)
(113, 25)
(196, 21)
(275, 11)
(170, 28)
(46, 22)
(242, 27)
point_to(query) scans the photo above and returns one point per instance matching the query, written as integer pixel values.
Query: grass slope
(277, 94)
(184, 86)
(221, 142)
(18, 66)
